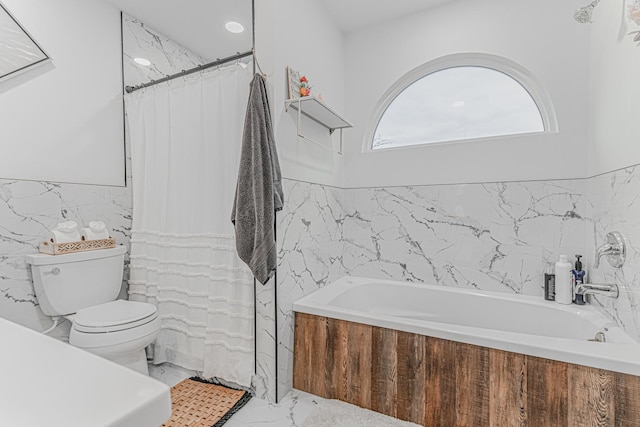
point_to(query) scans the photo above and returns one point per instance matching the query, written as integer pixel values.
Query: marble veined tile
(166, 56)
(28, 209)
(294, 408)
(614, 205)
(309, 257)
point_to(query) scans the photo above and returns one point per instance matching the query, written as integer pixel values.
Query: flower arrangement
(305, 89)
(633, 14)
(633, 11)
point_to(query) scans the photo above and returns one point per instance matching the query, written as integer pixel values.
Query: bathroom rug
(334, 413)
(198, 403)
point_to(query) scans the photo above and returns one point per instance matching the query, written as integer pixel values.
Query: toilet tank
(66, 283)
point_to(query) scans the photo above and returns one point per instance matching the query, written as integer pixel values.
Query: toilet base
(130, 353)
(136, 361)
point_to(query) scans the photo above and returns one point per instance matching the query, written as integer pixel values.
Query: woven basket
(80, 246)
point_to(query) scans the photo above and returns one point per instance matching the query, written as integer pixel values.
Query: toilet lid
(114, 315)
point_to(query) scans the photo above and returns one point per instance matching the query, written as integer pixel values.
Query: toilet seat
(114, 316)
(114, 324)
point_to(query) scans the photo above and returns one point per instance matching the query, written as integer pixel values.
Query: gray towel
(259, 188)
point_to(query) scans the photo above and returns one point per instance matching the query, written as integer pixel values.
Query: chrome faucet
(614, 249)
(607, 290)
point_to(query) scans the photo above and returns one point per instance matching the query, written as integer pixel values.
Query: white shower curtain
(185, 142)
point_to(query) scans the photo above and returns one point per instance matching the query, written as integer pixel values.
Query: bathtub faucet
(606, 290)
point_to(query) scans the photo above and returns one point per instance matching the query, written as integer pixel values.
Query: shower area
(185, 115)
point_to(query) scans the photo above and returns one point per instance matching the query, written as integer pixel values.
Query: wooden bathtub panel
(463, 385)
(337, 358)
(547, 388)
(472, 385)
(358, 376)
(310, 340)
(384, 371)
(440, 383)
(301, 346)
(411, 377)
(508, 389)
(627, 396)
(591, 397)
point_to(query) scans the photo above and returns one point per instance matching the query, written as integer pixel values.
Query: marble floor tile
(294, 408)
(169, 374)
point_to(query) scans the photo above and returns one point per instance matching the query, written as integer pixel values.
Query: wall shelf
(319, 112)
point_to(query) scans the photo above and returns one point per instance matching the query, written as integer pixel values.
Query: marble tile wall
(166, 56)
(613, 204)
(311, 246)
(28, 209)
(495, 237)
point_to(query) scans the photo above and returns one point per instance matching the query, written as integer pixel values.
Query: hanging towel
(259, 188)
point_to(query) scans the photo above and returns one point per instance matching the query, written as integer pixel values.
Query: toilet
(83, 287)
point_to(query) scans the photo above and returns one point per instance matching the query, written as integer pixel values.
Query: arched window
(461, 97)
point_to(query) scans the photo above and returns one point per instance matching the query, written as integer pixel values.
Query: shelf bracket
(321, 110)
(301, 135)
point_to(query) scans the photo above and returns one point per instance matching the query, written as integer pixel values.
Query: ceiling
(351, 15)
(198, 27)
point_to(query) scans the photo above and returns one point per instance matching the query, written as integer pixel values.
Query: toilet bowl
(83, 288)
(118, 330)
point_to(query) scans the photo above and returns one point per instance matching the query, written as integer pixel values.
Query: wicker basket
(80, 246)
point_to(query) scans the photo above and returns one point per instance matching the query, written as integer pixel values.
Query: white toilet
(83, 287)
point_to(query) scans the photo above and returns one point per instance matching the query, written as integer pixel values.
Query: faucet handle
(615, 250)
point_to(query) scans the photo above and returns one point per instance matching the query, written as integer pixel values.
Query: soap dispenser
(578, 279)
(578, 272)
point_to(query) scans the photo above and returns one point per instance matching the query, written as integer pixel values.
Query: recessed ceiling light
(234, 27)
(458, 104)
(142, 61)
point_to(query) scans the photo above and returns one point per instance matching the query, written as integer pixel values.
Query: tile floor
(291, 412)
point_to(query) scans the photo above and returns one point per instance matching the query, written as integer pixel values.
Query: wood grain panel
(547, 392)
(627, 399)
(337, 359)
(440, 383)
(472, 385)
(310, 342)
(318, 356)
(384, 371)
(591, 399)
(437, 383)
(301, 347)
(411, 377)
(508, 389)
(359, 365)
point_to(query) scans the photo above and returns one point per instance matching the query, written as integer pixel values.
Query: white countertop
(46, 382)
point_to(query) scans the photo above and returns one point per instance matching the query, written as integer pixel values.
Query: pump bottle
(578, 279)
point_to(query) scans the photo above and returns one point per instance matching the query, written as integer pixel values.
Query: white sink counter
(46, 382)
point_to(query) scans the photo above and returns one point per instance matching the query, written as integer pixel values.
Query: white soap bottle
(564, 286)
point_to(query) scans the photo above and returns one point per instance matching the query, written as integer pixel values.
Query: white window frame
(506, 66)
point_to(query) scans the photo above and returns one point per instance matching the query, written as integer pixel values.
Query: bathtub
(514, 323)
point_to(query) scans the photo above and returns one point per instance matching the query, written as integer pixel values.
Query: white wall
(64, 122)
(615, 91)
(539, 35)
(300, 34)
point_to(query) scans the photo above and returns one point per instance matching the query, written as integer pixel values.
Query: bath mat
(197, 403)
(334, 413)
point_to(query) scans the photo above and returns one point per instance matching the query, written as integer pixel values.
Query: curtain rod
(130, 89)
